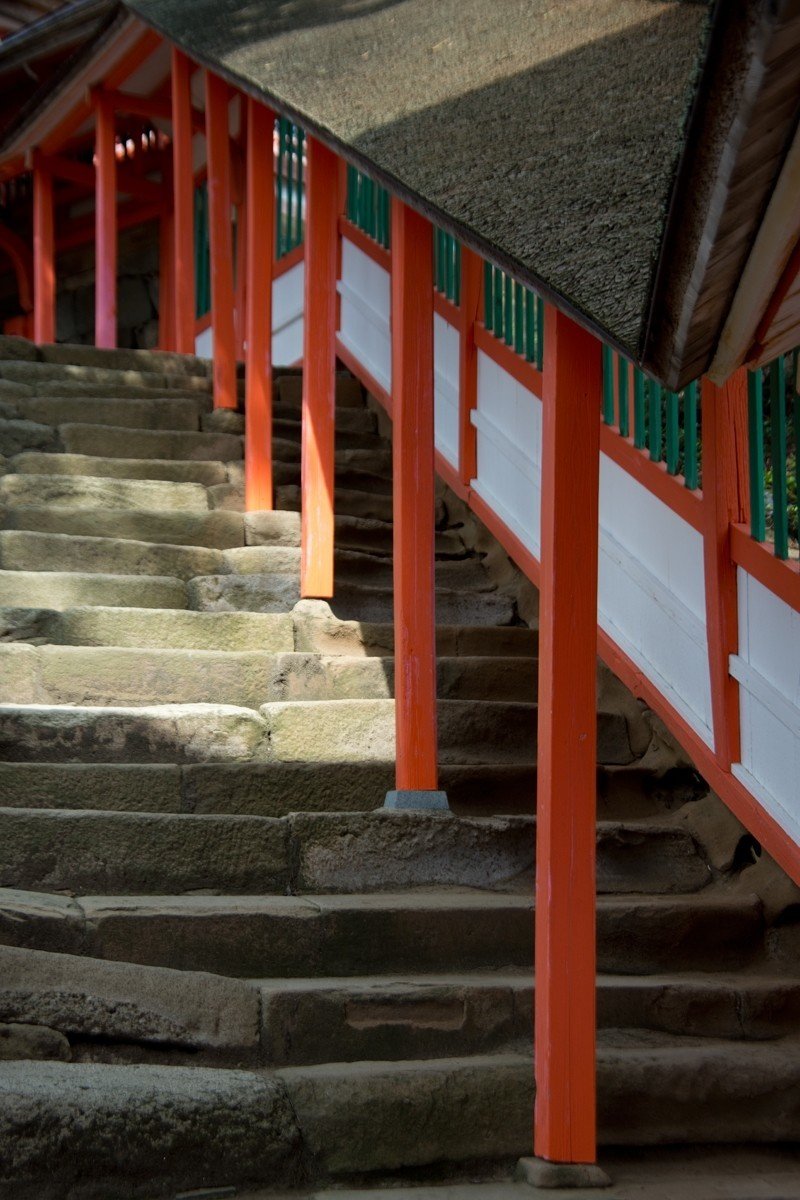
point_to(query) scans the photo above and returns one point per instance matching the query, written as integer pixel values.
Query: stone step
(89, 1001)
(68, 589)
(349, 502)
(171, 630)
(349, 477)
(282, 528)
(356, 568)
(22, 550)
(206, 473)
(373, 933)
(470, 731)
(373, 460)
(110, 440)
(65, 491)
(144, 412)
(161, 361)
(18, 435)
(439, 1015)
(217, 529)
(37, 373)
(286, 420)
(65, 674)
(157, 1129)
(349, 392)
(319, 853)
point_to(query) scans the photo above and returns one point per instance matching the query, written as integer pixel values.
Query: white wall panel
(768, 670)
(446, 374)
(651, 589)
(508, 420)
(287, 320)
(364, 327)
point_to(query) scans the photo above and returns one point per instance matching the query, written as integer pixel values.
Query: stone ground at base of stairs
(718, 1173)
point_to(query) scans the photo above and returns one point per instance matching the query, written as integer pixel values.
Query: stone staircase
(219, 966)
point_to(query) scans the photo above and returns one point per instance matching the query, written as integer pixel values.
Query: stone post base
(424, 801)
(540, 1173)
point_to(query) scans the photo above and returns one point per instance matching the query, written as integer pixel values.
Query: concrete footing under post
(540, 1173)
(417, 798)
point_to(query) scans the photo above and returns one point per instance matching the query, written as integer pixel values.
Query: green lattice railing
(202, 253)
(514, 314)
(664, 423)
(774, 435)
(447, 265)
(289, 187)
(368, 207)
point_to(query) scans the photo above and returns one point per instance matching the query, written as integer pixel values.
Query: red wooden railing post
(105, 305)
(44, 272)
(725, 501)
(183, 281)
(471, 290)
(564, 1128)
(319, 372)
(260, 215)
(221, 240)
(413, 510)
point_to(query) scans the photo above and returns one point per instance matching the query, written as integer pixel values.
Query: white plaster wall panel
(768, 671)
(287, 316)
(651, 592)
(204, 343)
(508, 420)
(446, 375)
(364, 326)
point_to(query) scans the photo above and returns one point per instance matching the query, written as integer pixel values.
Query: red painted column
(564, 1129)
(319, 371)
(221, 240)
(471, 290)
(413, 500)
(183, 281)
(44, 271)
(105, 304)
(725, 500)
(260, 217)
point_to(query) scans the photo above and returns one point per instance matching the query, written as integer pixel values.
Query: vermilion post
(413, 500)
(105, 310)
(564, 1128)
(726, 500)
(183, 195)
(471, 288)
(319, 372)
(44, 273)
(260, 217)
(221, 240)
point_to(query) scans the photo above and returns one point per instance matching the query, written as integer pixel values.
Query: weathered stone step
(18, 435)
(140, 412)
(282, 528)
(65, 491)
(217, 528)
(65, 674)
(319, 853)
(160, 361)
(349, 392)
(439, 1015)
(470, 731)
(286, 420)
(87, 1000)
(68, 589)
(412, 931)
(147, 440)
(22, 550)
(158, 1129)
(356, 568)
(353, 503)
(174, 630)
(349, 477)
(207, 473)
(374, 461)
(40, 372)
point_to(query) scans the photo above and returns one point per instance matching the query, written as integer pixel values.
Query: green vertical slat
(691, 473)
(755, 407)
(387, 210)
(450, 274)
(279, 193)
(519, 330)
(290, 187)
(488, 296)
(508, 310)
(438, 270)
(530, 325)
(457, 271)
(608, 385)
(654, 421)
(301, 141)
(673, 433)
(639, 424)
(622, 392)
(497, 327)
(349, 207)
(539, 333)
(778, 448)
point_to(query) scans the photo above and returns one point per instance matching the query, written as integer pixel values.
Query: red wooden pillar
(471, 288)
(564, 1129)
(105, 305)
(221, 240)
(319, 372)
(183, 281)
(44, 272)
(260, 218)
(413, 502)
(725, 500)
